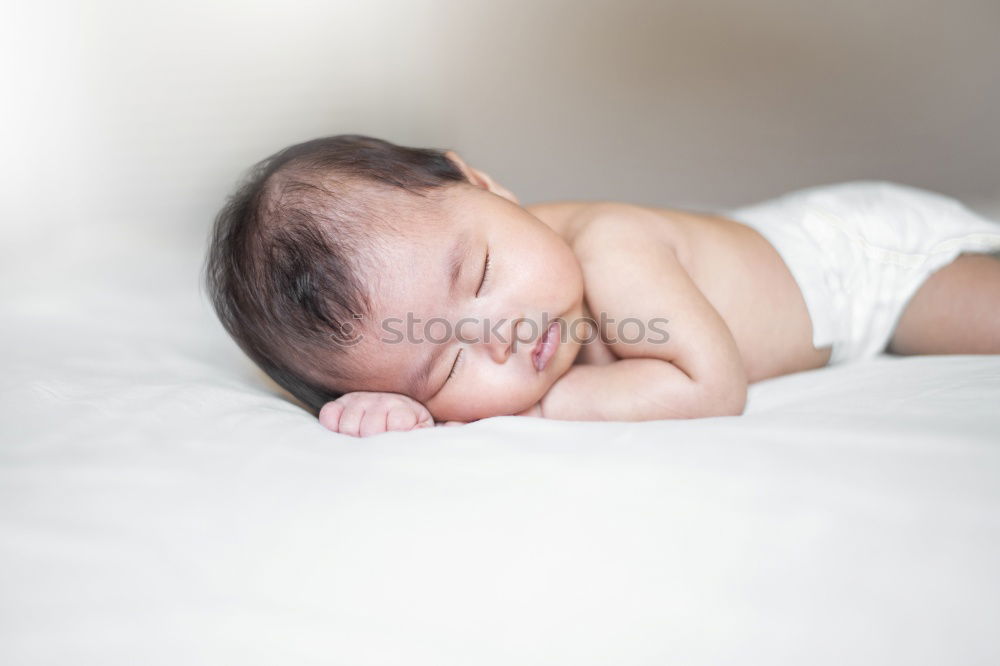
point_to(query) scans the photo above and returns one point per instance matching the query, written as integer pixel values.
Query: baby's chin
(521, 407)
(484, 413)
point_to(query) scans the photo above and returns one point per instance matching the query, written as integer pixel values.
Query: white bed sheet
(163, 504)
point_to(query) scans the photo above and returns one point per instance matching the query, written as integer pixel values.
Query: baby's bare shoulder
(594, 223)
(605, 230)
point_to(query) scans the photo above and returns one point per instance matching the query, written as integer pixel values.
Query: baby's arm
(634, 389)
(697, 371)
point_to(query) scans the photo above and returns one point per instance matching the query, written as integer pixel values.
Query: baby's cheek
(511, 400)
(476, 403)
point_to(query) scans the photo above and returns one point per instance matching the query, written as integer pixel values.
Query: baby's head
(349, 263)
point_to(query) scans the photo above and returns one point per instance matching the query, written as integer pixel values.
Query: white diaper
(859, 251)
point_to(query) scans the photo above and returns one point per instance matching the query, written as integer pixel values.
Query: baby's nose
(499, 343)
(510, 335)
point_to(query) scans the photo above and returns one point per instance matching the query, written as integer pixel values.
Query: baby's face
(465, 350)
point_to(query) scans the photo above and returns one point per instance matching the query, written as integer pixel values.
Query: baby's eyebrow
(416, 385)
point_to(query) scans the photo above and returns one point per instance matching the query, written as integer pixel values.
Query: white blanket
(163, 504)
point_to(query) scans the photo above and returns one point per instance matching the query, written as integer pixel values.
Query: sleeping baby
(392, 288)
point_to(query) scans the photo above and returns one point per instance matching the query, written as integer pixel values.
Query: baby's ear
(470, 174)
(480, 178)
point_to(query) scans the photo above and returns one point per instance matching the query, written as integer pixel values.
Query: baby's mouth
(546, 347)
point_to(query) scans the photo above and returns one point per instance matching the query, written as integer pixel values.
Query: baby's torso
(736, 269)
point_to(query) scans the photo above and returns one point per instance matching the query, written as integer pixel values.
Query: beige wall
(146, 112)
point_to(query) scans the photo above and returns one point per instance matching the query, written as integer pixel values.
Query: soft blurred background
(144, 113)
(125, 124)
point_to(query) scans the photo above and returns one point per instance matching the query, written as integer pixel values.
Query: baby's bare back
(735, 268)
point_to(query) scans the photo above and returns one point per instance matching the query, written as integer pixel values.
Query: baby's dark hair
(292, 254)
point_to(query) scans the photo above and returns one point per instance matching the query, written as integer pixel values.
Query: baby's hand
(364, 413)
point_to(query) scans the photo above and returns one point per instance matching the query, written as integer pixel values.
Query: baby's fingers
(329, 415)
(373, 422)
(401, 418)
(350, 420)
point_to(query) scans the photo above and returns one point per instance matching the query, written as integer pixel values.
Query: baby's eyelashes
(486, 271)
